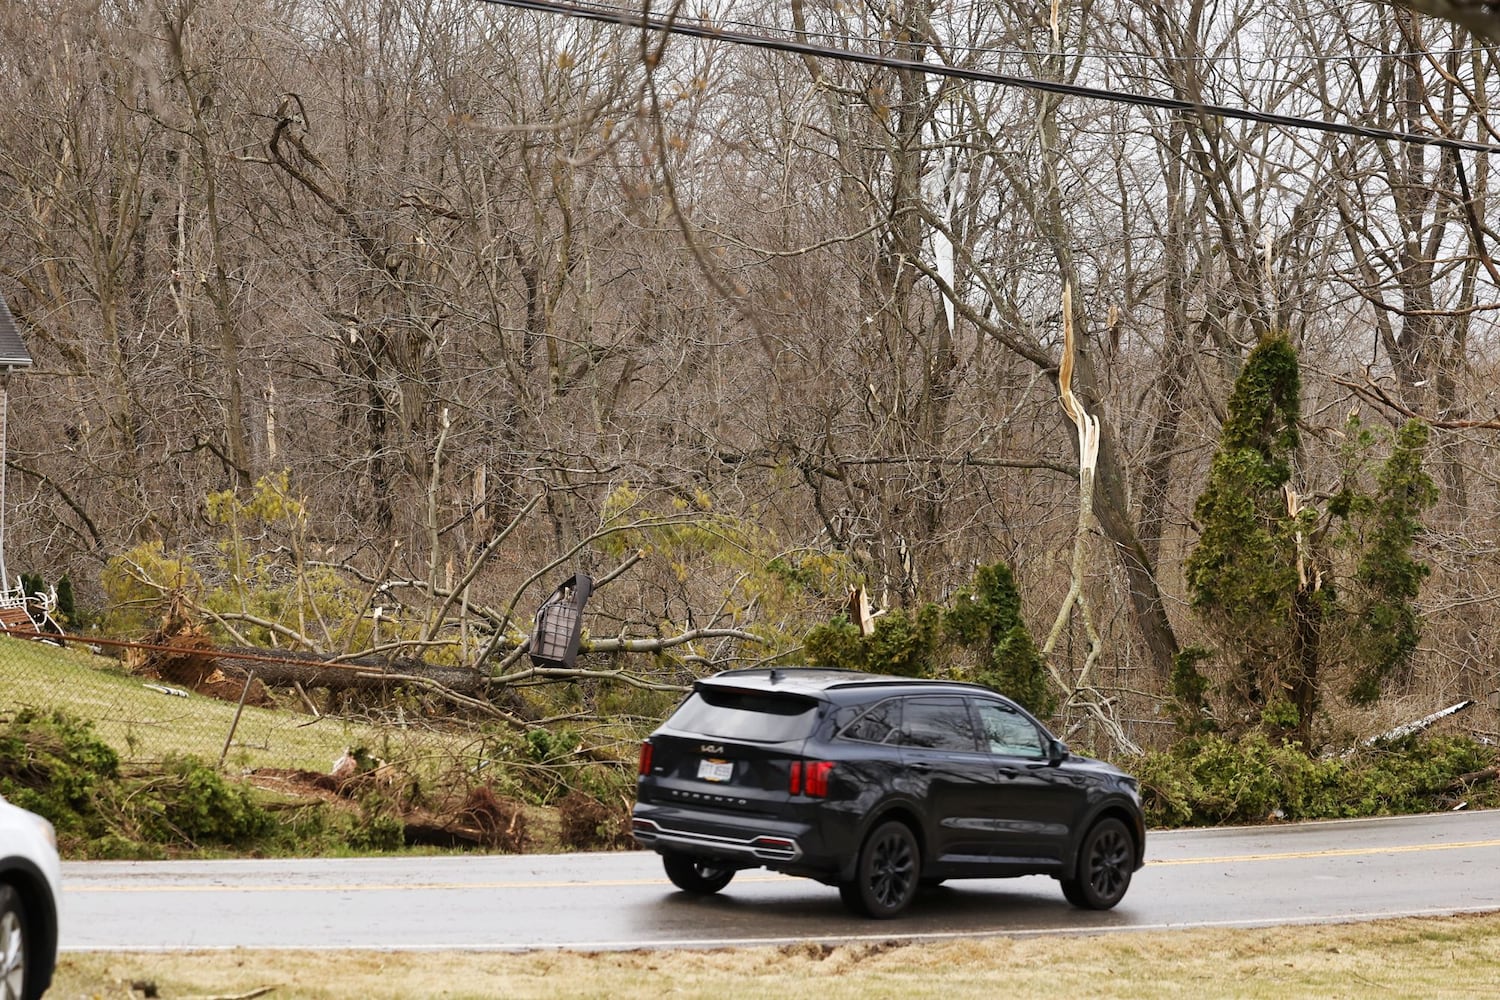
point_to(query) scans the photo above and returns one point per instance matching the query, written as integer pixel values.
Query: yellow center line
(1344, 852)
(1229, 859)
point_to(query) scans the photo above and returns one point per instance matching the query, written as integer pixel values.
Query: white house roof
(13, 352)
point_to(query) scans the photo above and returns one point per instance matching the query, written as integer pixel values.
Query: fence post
(249, 676)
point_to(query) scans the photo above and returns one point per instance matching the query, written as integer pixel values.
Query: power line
(1202, 59)
(712, 32)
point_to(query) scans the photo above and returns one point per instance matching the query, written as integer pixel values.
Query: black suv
(878, 785)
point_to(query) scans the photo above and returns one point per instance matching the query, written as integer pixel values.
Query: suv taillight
(810, 778)
(644, 765)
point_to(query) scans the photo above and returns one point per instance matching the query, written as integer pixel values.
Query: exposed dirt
(297, 784)
(479, 819)
(589, 824)
(191, 662)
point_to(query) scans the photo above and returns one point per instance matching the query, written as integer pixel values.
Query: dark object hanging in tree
(559, 623)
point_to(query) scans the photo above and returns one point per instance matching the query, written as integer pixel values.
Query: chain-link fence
(150, 701)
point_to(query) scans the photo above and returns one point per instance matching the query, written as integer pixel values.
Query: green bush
(900, 644)
(55, 765)
(985, 618)
(906, 646)
(837, 644)
(981, 636)
(379, 832)
(1211, 780)
(550, 746)
(189, 804)
(1190, 707)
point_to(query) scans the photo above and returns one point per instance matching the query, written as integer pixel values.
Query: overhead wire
(1201, 59)
(712, 31)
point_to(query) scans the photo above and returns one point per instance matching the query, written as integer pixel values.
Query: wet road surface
(1248, 876)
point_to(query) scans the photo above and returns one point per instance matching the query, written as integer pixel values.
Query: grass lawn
(1443, 957)
(145, 725)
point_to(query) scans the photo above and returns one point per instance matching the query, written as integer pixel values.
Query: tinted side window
(746, 715)
(1008, 732)
(878, 725)
(937, 724)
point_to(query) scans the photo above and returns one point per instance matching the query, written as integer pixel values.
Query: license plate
(715, 770)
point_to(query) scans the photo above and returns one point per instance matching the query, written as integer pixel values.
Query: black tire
(15, 943)
(1073, 893)
(1106, 859)
(701, 878)
(888, 874)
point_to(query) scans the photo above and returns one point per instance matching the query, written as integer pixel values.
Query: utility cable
(1202, 59)
(711, 32)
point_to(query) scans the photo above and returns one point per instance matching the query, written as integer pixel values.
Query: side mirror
(1057, 751)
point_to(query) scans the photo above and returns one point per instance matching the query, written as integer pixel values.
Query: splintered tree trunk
(1112, 510)
(1110, 503)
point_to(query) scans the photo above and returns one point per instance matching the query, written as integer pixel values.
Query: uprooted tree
(339, 625)
(1294, 593)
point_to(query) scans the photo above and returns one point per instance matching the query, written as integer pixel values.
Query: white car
(29, 888)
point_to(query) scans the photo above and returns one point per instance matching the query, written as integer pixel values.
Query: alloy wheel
(12, 956)
(889, 870)
(1109, 861)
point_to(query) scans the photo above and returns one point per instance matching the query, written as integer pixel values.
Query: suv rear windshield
(753, 716)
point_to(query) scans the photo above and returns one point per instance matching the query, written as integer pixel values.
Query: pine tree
(984, 619)
(1243, 573)
(1263, 575)
(987, 618)
(1389, 577)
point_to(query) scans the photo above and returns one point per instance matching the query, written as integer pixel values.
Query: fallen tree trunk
(1480, 777)
(311, 670)
(1419, 725)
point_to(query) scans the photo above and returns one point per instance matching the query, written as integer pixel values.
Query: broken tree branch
(1419, 725)
(1088, 461)
(1372, 391)
(1080, 693)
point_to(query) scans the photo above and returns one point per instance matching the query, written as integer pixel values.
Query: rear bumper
(760, 848)
(745, 841)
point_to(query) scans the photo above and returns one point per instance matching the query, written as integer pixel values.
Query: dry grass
(1430, 958)
(146, 725)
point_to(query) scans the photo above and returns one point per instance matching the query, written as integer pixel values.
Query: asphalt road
(1250, 876)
